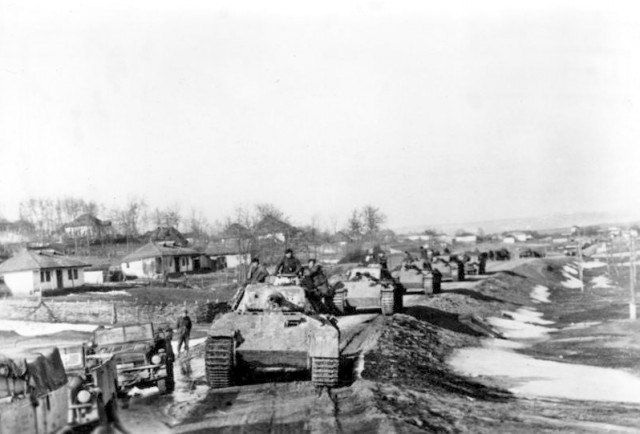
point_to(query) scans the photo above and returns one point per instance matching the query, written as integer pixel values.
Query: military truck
(33, 393)
(271, 328)
(368, 287)
(143, 358)
(92, 384)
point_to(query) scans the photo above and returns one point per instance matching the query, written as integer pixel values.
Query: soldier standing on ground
(460, 263)
(436, 280)
(482, 263)
(184, 331)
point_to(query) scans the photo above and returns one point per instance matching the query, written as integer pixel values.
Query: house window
(42, 276)
(127, 265)
(70, 273)
(47, 275)
(75, 273)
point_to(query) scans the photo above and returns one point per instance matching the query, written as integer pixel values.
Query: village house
(227, 253)
(87, 226)
(32, 272)
(466, 238)
(155, 259)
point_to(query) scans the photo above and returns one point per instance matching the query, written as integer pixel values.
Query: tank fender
(228, 333)
(324, 341)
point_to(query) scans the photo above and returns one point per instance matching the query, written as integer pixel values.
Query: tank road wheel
(339, 301)
(387, 304)
(219, 361)
(324, 371)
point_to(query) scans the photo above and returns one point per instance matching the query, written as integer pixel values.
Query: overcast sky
(432, 111)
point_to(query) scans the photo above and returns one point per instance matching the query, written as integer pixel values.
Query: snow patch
(547, 378)
(571, 282)
(540, 294)
(528, 316)
(570, 270)
(108, 293)
(601, 282)
(519, 330)
(593, 264)
(32, 328)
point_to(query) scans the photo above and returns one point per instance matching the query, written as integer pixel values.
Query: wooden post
(632, 279)
(580, 268)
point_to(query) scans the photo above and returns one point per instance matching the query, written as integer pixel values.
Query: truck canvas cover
(43, 371)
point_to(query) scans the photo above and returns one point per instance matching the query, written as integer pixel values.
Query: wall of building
(21, 283)
(40, 284)
(94, 277)
(146, 268)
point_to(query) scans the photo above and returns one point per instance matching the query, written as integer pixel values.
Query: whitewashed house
(154, 259)
(87, 226)
(466, 239)
(32, 272)
(227, 254)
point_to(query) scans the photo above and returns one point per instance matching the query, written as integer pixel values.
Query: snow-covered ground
(569, 269)
(540, 294)
(571, 282)
(601, 282)
(31, 328)
(547, 378)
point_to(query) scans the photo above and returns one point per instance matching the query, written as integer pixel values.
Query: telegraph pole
(581, 267)
(632, 278)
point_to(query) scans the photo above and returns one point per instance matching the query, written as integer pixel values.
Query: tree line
(48, 217)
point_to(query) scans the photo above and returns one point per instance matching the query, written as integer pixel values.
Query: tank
(272, 327)
(367, 288)
(414, 278)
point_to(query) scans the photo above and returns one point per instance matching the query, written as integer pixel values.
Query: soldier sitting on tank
(316, 279)
(257, 272)
(289, 265)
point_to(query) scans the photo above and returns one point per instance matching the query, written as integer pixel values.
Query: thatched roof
(87, 220)
(166, 233)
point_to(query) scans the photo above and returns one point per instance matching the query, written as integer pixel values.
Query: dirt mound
(408, 366)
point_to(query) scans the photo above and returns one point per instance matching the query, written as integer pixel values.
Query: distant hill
(557, 222)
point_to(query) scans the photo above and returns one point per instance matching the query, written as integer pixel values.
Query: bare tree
(372, 219)
(354, 225)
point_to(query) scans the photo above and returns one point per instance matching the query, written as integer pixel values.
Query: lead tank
(272, 327)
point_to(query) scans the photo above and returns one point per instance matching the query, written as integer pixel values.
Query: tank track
(219, 360)
(324, 371)
(387, 304)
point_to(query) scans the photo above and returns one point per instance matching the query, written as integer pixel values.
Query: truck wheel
(339, 301)
(387, 304)
(219, 361)
(324, 371)
(162, 386)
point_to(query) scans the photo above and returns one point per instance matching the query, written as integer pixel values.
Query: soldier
(460, 264)
(184, 331)
(257, 272)
(289, 264)
(482, 263)
(436, 280)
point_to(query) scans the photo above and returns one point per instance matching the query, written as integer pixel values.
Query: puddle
(548, 378)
